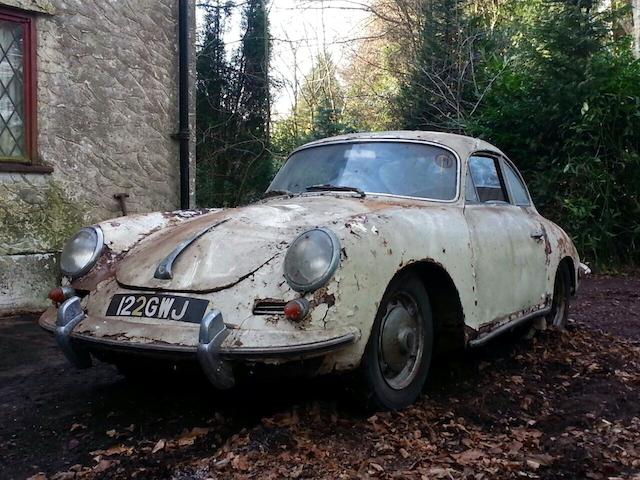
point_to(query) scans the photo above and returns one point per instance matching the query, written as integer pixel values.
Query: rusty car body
(407, 272)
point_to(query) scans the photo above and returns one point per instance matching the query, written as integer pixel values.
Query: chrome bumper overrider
(212, 333)
(214, 358)
(70, 314)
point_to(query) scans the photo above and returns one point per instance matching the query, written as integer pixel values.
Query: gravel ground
(562, 405)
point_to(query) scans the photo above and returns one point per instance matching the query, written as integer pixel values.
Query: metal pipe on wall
(183, 107)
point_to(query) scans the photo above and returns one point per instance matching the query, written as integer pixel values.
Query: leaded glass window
(12, 138)
(16, 87)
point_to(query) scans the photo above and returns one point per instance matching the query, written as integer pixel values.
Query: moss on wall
(36, 220)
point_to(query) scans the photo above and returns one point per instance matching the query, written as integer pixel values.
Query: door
(508, 256)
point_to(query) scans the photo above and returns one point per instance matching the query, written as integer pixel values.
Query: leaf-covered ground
(561, 405)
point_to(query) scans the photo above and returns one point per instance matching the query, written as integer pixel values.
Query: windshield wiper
(327, 187)
(275, 193)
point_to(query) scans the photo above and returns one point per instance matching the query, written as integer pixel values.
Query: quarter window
(17, 87)
(470, 194)
(518, 191)
(484, 171)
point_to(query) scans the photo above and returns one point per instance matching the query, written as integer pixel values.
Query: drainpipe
(183, 107)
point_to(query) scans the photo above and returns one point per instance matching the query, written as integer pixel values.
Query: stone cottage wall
(107, 109)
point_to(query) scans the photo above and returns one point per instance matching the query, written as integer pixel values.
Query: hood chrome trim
(164, 269)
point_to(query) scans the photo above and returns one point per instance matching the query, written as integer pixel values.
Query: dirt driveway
(563, 405)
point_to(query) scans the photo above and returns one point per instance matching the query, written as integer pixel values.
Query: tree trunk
(635, 8)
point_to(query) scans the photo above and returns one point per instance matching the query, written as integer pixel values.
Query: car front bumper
(213, 350)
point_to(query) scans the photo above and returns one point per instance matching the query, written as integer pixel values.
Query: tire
(402, 334)
(559, 314)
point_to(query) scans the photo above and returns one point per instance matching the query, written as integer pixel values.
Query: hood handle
(164, 269)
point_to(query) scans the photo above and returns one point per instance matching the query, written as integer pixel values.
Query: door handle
(537, 236)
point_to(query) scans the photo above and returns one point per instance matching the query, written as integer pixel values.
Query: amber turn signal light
(296, 310)
(60, 294)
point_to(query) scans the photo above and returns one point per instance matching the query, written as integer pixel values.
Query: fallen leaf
(541, 459)
(64, 476)
(38, 476)
(115, 450)
(240, 462)
(159, 446)
(77, 426)
(468, 456)
(103, 465)
(190, 437)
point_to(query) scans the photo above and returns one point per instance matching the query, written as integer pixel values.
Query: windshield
(395, 168)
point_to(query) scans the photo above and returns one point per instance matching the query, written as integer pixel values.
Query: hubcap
(401, 342)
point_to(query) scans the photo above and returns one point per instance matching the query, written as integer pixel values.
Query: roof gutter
(183, 99)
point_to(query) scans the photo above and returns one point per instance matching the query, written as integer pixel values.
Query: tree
(215, 82)
(233, 105)
(446, 83)
(318, 112)
(255, 168)
(566, 110)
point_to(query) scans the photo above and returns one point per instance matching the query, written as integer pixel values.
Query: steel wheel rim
(559, 301)
(401, 341)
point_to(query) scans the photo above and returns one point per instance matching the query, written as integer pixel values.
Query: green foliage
(372, 85)
(551, 82)
(440, 90)
(233, 162)
(567, 111)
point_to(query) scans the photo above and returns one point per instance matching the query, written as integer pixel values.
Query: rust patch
(563, 244)
(547, 243)
(321, 296)
(103, 270)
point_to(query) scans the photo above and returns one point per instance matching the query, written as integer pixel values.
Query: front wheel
(398, 355)
(559, 314)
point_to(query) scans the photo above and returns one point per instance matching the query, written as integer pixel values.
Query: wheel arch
(568, 263)
(446, 307)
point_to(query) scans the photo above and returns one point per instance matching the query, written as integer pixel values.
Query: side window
(484, 171)
(517, 188)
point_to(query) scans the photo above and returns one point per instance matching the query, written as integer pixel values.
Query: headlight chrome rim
(97, 251)
(333, 264)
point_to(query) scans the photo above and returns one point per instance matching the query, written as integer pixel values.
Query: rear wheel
(398, 355)
(559, 314)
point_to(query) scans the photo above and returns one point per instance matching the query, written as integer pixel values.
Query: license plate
(166, 307)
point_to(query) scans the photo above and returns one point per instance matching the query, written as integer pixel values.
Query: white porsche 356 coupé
(369, 253)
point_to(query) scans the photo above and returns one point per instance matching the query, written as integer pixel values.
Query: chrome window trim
(509, 163)
(497, 158)
(394, 140)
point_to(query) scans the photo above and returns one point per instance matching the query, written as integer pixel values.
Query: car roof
(461, 144)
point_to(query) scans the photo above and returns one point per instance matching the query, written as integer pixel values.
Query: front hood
(239, 241)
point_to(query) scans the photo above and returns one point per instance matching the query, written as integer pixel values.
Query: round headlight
(81, 252)
(311, 259)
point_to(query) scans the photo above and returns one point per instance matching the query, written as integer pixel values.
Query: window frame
(504, 163)
(321, 143)
(28, 164)
(497, 161)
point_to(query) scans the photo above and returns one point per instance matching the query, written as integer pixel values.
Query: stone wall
(107, 109)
